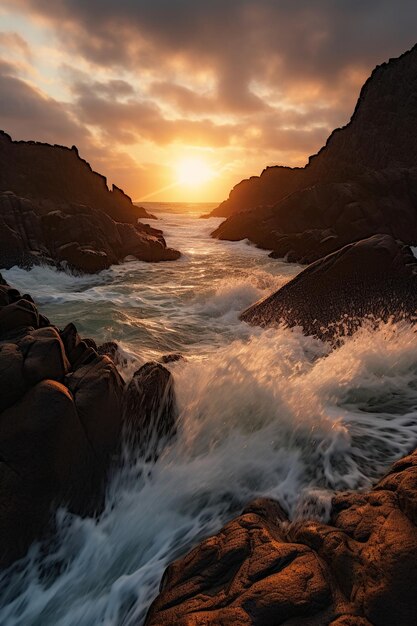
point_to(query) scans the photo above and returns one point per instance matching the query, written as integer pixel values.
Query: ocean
(262, 413)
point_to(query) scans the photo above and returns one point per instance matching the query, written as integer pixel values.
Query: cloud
(257, 80)
(26, 111)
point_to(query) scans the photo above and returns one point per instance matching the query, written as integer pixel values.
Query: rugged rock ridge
(374, 278)
(355, 178)
(64, 410)
(57, 176)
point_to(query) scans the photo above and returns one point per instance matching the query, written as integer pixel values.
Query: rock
(77, 236)
(149, 410)
(54, 209)
(60, 421)
(362, 182)
(17, 315)
(45, 357)
(45, 456)
(12, 382)
(374, 277)
(114, 352)
(56, 175)
(171, 358)
(260, 570)
(97, 389)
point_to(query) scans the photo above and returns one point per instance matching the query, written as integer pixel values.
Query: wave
(278, 414)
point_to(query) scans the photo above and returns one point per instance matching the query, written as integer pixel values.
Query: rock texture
(375, 277)
(77, 236)
(62, 411)
(54, 209)
(359, 569)
(363, 182)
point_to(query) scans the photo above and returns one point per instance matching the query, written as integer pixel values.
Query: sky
(178, 100)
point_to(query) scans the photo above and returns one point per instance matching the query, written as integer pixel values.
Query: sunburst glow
(192, 172)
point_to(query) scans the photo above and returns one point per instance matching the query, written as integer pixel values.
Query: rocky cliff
(362, 182)
(54, 209)
(58, 176)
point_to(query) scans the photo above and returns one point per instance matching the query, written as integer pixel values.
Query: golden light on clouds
(171, 102)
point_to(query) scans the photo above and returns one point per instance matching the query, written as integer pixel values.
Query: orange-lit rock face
(260, 570)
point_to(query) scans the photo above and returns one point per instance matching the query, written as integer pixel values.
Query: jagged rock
(149, 410)
(78, 236)
(373, 277)
(56, 176)
(114, 352)
(260, 570)
(363, 182)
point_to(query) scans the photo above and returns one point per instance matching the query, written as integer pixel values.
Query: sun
(193, 172)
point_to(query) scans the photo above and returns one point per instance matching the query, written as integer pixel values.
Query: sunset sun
(192, 172)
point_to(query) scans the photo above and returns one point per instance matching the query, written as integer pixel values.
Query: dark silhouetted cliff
(57, 175)
(362, 182)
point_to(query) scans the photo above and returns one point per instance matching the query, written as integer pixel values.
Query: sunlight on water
(261, 413)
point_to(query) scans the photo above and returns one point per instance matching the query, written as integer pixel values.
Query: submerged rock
(260, 570)
(374, 277)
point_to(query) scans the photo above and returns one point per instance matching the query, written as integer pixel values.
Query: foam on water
(261, 413)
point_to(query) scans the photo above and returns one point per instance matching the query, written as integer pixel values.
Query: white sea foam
(261, 413)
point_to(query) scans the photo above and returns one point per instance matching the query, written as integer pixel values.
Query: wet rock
(20, 313)
(76, 236)
(174, 357)
(374, 277)
(149, 410)
(45, 456)
(97, 389)
(114, 352)
(56, 440)
(12, 382)
(357, 570)
(45, 357)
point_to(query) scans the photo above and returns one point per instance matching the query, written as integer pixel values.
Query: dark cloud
(29, 114)
(240, 40)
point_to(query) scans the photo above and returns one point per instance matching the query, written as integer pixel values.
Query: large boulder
(375, 277)
(60, 422)
(359, 569)
(149, 410)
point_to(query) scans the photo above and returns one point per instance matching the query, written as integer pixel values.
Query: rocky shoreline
(55, 210)
(359, 569)
(66, 417)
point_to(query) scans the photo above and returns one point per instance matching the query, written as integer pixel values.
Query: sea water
(261, 413)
